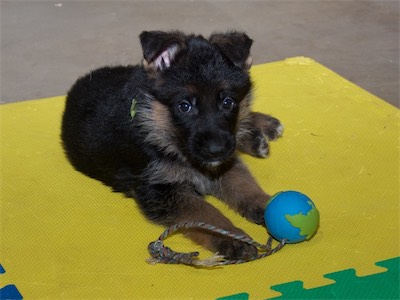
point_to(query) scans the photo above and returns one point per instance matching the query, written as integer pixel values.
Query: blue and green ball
(292, 216)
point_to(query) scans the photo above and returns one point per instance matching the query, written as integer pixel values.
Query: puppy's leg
(240, 191)
(255, 131)
(175, 204)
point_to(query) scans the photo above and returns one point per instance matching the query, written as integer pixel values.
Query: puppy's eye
(228, 103)
(185, 106)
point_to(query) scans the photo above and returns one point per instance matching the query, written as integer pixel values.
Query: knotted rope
(162, 254)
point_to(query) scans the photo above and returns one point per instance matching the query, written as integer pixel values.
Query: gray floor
(46, 45)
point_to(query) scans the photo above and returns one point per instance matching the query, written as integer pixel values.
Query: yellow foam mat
(64, 235)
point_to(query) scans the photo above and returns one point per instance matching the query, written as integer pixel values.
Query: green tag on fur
(133, 108)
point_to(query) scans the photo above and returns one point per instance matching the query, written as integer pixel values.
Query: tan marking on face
(162, 131)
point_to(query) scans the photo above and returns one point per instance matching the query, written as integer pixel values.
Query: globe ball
(292, 216)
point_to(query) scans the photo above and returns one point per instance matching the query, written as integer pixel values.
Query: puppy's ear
(235, 46)
(160, 48)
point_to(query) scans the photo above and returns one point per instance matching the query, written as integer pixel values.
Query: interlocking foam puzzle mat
(64, 235)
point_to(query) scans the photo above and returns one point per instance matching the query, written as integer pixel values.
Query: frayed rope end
(162, 254)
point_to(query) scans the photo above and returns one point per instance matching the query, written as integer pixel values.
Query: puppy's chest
(168, 172)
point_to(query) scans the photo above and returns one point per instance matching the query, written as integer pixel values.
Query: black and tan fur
(166, 132)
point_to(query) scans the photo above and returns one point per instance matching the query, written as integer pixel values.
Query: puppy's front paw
(255, 215)
(256, 132)
(235, 250)
(271, 131)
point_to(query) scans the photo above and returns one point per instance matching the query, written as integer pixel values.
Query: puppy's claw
(276, 133)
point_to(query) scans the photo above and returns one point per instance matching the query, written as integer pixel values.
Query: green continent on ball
(306, 223)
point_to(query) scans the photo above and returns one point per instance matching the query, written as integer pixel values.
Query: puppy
(166, 132)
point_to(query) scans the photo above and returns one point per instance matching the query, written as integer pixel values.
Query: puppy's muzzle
(212, 149)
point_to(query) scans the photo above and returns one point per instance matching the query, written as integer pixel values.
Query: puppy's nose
(215, 148)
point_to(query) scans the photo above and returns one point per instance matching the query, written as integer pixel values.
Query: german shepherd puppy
(166, 132)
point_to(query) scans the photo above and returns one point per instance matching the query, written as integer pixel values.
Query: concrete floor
(46, 45)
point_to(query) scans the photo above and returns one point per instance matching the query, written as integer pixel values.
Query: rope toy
(162, 254)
